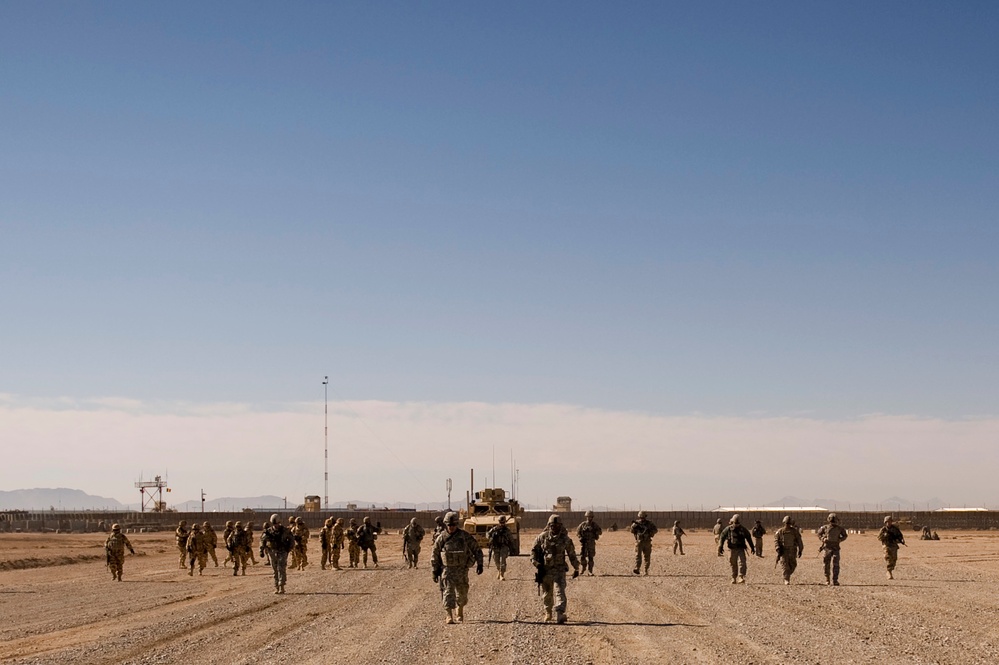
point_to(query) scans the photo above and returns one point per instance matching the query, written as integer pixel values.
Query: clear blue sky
(671, 208)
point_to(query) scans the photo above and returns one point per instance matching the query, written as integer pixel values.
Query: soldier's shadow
(533, 622)
(328, 593)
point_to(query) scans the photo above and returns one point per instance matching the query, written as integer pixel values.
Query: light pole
(326, 441)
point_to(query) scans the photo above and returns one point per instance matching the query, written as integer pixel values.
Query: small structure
(563, 504)
(313, 504)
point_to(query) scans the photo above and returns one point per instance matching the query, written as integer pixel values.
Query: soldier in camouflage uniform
(239, 546)
(644, 531)
(181, 535)
(301, 534)
(589, 533)
(336, 543)
(325, 541)
(277, 541)
(114, 548)
(500, 544)
(249, 538)
(831, 534)
(890, 537)
(788, 545)
(197, 549)
(548, 556)
(758, 532)
(293, 558)
(367, 533)
(353, 550)
(738, 538)
(716, 530)
(678, 535)
(455, 551)
(439, 527)
(212, 541)
(229, 528)
(411, 537)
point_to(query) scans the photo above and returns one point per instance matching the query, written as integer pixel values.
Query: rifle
(780, 555)
(107, 557)
(490, 561)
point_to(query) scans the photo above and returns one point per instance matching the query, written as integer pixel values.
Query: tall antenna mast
(326, 442)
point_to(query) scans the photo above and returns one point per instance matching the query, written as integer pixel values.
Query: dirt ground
(59, 605)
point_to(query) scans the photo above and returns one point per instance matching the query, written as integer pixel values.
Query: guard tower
(151, 492)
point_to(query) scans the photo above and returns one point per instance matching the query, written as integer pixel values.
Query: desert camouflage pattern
(551, 550)
(115, 547)
(411, 537)
(453, 554)
(588, 533)
(788, 546)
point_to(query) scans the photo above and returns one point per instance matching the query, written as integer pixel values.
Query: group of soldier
(455, 551)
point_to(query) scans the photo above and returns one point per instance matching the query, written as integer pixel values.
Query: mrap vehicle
(484, 511)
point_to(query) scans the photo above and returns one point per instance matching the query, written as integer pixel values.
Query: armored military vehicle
(484, 511)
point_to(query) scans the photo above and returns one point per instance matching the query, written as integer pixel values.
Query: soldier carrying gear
(114, 550)
(678, 534)
(181, 535)
(890, 537)
(197, 549)
(548, 555)
(455, 551)
(239, 545)
(644, 531)
(588, 533)
(326, 542)
(211, 541)
(831, 535)
(758, 532)
(738, 538)
(301, 553)
(788, 545)
(500, 545)
(229, 528)
(367, 533)
(278, 541)
(411, 537)
(353, 551)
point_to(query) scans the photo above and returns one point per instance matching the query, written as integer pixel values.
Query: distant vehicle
(484, 511)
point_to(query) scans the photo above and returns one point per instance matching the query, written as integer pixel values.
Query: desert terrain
(59, 605)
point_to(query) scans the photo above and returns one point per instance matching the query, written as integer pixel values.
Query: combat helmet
(299, 520)
(832, 518)
(183, 523)
(116, 527)
(451, 519)
(786, 520)
(642, 514)
(367, 520)
(888, 519)
(554, 519)
(413, 521)
(502, 519)
(588, 513)
(339, 520)
(239, 525)
(207, 525)
(735, 519)
(275, 519)
(228, 524)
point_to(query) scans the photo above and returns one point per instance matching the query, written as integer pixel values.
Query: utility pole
(202, 500)
(449, 494)
(326, 442)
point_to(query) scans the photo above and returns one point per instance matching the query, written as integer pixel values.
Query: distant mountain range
(70, 499)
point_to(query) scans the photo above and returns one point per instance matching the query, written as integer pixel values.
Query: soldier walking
(294, 559)
(891, 537)
(337, 543)
(716, 530)
(211, 541)
(239, 545)
(500, 544)
(678, 535)
(439, 527)
(277, 541)
(758, 533)
(197, 549)
(644, 531)
(738, 539)
(353, 550)
(249, 538)
(301, 534)
(787, 543)
(831, 534)
(114, 549)
(326, 542)
(548, 556)
(455, 551)
(411, 537)
(367, 533)
(589, 533)
(181, 535)
(229, 528)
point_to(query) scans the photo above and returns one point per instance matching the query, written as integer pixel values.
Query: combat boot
(282, 589)
(636, 571)
(461, 613)
(742, 580)
(450, 616)
(548, 615)
(191, 572)
(119, 577)
(503, 575)
(277, 590)
(560, 617)
(235, 571)
(890, 576)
